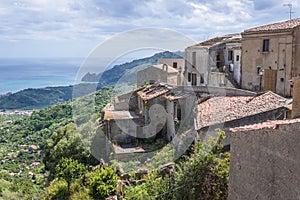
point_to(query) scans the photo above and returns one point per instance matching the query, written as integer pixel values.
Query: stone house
(214, 62)
(157, 74)
(271, 57)
(264, 157)
(167, 70)
(143, 113)
(233, 111)
(176, 63)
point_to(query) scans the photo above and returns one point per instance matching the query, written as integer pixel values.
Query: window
(175, 65)
(230, 55)
(194, 79)
(266, 44)
(189, 77)
(238, 58)
(201, 78)
(194, 59)
(152, 81)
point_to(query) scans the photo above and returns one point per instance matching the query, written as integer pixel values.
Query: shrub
(103, 182)
(154, 187)
(205, 174)
(69, 170)
(79, 191)
(58, 190)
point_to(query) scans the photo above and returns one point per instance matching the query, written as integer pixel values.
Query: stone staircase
(231, 80)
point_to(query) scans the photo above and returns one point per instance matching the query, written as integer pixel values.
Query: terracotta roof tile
(217, 40)
(269, 124)
(223, 109)
(276, 27)
(153, 91)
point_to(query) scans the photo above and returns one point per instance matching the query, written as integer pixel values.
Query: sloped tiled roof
(269, 124)
(223, 109)
(216, 40)
(153, 91)
(275, 27)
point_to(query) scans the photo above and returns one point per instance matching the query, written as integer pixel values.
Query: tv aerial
(291, 8)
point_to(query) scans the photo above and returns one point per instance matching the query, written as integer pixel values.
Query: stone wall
(279, 57)
(171, 61)
(264, 164)
(151, 75)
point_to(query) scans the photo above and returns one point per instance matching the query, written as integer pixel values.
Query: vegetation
(69, 170)
(113, 75)
(201, 175)
(205, 174)
(47, 135)
(43, 157)
(103, 183)
(30, 99)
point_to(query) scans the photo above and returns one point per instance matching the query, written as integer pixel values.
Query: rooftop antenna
(291, 8)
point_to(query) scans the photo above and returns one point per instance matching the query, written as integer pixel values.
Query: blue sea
(21, 73)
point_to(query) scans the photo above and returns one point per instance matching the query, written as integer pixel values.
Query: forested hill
(42, 97)
(112, 75)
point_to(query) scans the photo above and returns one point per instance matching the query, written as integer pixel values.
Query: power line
(291, 8)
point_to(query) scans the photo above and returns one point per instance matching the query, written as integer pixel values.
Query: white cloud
(94, 20)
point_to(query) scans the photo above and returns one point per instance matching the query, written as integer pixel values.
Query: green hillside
(39, 98)
(31, 145)
(111, 76)
(43, 157)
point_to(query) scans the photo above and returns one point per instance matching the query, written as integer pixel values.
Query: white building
(214, 62)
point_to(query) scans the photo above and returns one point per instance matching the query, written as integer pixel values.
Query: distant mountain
(42, 97)
(113, 75)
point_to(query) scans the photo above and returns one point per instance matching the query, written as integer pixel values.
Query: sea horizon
(18, 74)
(22, 73)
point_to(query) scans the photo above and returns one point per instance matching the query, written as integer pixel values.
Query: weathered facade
(176, 63)
(159, 73)
(215, 62)
(265, 160)
(271, 57)
(143, 113)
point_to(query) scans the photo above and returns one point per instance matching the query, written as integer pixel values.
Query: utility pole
(291, 8)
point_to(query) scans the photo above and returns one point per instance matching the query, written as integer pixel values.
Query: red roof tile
(276, 27)
(153, 91)
(216, 40)
(269, 124)
(223, 109)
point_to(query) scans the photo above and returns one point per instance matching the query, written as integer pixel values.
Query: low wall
(264, 164)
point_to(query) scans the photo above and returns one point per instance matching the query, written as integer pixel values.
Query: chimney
(166, 67)
(296, 97)
(179, 76)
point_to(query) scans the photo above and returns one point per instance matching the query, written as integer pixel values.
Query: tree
(205, 174)
(69, 170)
(65, 143)
(103, 182)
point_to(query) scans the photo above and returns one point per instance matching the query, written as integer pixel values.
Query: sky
(74, 28)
